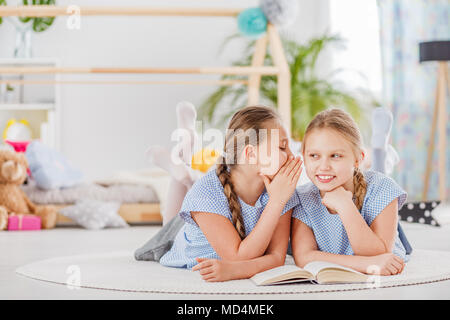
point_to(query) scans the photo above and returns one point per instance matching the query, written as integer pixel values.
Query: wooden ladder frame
(254, 72)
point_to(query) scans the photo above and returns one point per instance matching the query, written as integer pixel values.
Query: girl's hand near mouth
(282, 186)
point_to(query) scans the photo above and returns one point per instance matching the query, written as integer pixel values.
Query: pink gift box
(24, 222)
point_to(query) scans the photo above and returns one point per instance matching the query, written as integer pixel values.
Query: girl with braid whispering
(238, 216)
(345, 216)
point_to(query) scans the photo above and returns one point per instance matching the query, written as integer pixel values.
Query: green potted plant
(25, 25)
(309, 93)
(9, 95)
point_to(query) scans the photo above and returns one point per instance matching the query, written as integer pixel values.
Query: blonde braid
(360, 188)
(233, 200)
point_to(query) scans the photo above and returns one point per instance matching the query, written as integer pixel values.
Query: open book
(316, 272)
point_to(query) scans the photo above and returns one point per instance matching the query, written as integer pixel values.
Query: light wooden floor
(19, 248)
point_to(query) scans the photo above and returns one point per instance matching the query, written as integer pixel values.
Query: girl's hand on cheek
(337, 198)
(283, 184)
(213, 270)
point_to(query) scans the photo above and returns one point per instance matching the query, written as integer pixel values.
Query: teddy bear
(13, 172)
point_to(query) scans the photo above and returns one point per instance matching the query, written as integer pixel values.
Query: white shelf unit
(27, 106)
(39, 104)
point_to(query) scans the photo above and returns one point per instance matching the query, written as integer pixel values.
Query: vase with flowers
(26, 25)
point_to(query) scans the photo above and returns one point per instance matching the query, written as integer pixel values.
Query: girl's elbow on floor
(279, 260)
(302, 259)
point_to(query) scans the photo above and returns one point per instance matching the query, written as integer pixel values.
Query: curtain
(409, 86)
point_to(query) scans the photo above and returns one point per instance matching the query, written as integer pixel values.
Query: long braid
(360, 188)
(233, 200)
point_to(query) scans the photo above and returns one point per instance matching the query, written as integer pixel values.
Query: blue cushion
(49, 168)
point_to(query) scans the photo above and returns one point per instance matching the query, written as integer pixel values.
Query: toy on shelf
(19, 146)
(17, 134)
(17, 130)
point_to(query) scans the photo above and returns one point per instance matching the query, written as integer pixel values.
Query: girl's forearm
(363, 240)
(256, 243)
(248, 268)
(358, 263)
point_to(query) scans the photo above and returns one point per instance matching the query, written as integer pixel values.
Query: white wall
(106, 128)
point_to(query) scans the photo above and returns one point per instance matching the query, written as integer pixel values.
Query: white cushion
(95, 214)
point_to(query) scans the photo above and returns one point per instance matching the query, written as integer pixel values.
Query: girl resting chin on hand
(345, 216)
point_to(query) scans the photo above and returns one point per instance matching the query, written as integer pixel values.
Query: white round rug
(120, 271)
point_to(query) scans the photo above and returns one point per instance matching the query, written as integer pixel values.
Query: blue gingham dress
(328, 229)
(206, 195)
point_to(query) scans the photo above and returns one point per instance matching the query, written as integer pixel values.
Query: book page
(275, 274)
(315, 266)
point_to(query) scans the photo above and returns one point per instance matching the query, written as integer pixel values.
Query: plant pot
(10, 97)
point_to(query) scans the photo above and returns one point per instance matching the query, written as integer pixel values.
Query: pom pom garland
(252, 22)
(280, 13)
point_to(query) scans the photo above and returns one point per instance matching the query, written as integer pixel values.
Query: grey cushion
(158, 245)
(123, 193)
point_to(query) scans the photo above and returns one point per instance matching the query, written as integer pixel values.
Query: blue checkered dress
(206, 195)
(328, 229)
